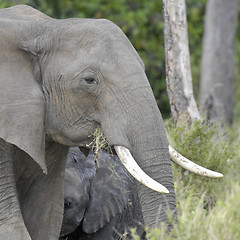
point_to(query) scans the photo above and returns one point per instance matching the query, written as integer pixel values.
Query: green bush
(207, 208)
(207, 145)
(195, 222)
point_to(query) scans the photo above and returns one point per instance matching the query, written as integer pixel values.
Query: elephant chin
(67, 141)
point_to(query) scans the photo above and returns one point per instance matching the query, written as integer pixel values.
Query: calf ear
(22, 104)
(109, 194)
(85, 151)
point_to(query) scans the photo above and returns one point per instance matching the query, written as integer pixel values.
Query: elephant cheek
(68, 227)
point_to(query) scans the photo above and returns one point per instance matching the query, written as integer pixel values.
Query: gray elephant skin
(100, 198)
(60, 79)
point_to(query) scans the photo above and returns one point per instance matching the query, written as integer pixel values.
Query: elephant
(60, 80)
(100, 199)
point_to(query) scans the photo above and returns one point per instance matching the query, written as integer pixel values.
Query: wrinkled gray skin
(60, 79)
(100, 200)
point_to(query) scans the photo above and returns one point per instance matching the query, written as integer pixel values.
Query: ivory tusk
(131, 165)
(191, 166)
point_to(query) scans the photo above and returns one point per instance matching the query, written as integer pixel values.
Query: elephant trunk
(152, 155)
(137, 125)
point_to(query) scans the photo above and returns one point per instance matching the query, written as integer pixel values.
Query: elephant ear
(109, 193)
(22, 104)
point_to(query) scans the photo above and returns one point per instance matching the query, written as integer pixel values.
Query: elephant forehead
(97, 39)
(90, 29)
(72, 177)
(77, 177)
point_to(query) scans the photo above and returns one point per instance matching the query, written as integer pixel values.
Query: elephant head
(98, 196)
(59, 80)
(79, 173)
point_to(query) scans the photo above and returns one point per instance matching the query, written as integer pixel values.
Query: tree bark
(217, 70)
(177, 58)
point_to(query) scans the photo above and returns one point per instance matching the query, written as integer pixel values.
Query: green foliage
(221, 223)
(207, 145)
(207, 208)
(227, 212)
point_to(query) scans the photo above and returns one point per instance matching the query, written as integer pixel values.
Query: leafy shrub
(207, 145)
(207, 208)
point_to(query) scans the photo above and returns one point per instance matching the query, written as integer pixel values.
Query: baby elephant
(100, 199)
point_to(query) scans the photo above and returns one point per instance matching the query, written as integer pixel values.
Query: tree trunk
(178, 70)
(217, 70)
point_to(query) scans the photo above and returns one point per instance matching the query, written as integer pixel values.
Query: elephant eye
(90, 80)
(67, 203)
(75, 159)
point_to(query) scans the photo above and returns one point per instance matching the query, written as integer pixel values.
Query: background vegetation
(208, 209)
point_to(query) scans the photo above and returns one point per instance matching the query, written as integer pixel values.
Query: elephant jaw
(131, 165)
